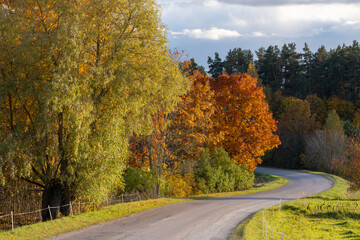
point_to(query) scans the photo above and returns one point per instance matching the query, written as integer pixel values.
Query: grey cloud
(285, 2)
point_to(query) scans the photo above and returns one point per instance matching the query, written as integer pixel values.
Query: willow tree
(77, 78)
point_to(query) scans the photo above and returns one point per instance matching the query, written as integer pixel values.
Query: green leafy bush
(172, 182)
(137, 180)
(217, 172)
(350, 130)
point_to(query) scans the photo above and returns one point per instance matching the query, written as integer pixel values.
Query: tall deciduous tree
(345, 109)
(295, 123)
(181, 135)
(242, 116)
(192, 125)
(76, 79)
(318, 107)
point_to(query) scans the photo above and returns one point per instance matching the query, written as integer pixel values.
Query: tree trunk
(157, 186)
(65, 201)
(52, 195)
(55, 195)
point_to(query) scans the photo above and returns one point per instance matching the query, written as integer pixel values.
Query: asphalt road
(204, 219)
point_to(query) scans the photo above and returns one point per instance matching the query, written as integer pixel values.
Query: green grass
(67, 224)
(333, 214)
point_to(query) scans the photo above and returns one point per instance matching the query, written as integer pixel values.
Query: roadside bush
(173, 182)
(137, 180)
(178, 185)
(217, 172)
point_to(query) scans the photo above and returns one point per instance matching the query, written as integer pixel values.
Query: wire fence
(12, 219)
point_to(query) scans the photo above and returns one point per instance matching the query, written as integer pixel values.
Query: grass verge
(42, 230)
(49, 229)
(333, 214)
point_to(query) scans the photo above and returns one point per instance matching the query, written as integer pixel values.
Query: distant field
(264, 182)
(333, 214)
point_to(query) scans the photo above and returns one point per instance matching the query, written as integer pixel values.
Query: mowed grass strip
(334, 214)
(42, 230)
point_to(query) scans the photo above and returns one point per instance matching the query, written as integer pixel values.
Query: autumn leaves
(230, 112)
(78, 79)
(243, 118)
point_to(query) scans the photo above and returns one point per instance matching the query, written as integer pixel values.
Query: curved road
(204, 219)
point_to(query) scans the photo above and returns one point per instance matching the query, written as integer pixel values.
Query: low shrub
(217, 172)
(177, 184)
(137, 180)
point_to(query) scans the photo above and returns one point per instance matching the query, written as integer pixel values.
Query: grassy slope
(333, 214)
(52, 228)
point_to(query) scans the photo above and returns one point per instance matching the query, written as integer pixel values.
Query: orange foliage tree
(192, 126)
(181, 135)
(242, 116)
(188, 129)
(139, 153)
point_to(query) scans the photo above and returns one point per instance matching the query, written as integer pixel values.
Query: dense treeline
(314, 97)
(324, 73)
(212, 142)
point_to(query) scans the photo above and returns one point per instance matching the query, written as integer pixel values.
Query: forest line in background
(314, 98)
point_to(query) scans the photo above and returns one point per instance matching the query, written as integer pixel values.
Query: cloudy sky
(203, 27)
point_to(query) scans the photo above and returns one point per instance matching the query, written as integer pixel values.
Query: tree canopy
(242, 116)
(77, 78)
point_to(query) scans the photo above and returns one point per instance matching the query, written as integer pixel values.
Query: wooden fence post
(280, 205)
(50, 212)
(263, 222)
(12, 220)
(71, 210)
